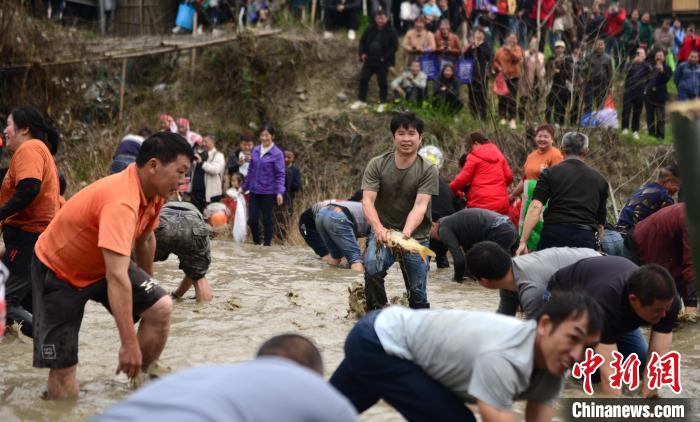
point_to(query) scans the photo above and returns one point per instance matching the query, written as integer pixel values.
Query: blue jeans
(121, 162)
(261, 204)
(337, 233)
(612, 243)
(368, 374)
(414, 270)
(561, 235)
(307, 228)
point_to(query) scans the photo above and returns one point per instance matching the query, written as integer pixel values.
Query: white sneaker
(625, 132)
(381, 108)
(635, 135)
(512, 124)
(358, 105)
(327, 35)
(503, 122)
(351, 35)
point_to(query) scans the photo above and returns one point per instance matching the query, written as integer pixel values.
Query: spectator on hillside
(446, 43)
(656, 95)
(418, 40)
(690, 42)
(409, 12)
(446, 89)
(650, 198)
(508, 60)
(560, 73)
(532, 83)
(411, 84)
(638, 74)
(167, 123)
(678, 36)
(563, 25)
(183, 128)
(614, 22)
(479, 50)
(453, 11)
(239, 159)
(208, 174)
(646, 31)
(597, 74)
(342, 14)
(594, 23)
(546, 11)
(577, 196)
(663, 37)
(488, 175)
(630, 34)
(432, 14)
(377, 51)
(501, 21)
(687, 78)
(128, 150)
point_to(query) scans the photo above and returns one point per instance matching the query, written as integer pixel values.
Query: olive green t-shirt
(397, 190)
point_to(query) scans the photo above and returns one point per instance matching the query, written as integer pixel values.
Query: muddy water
(259, 292)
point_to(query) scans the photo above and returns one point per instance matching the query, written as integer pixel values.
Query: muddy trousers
(366, 73)
(413, 269)
(19, 248)
(368, 374)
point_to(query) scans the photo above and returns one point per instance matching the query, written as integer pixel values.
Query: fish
(408, 244)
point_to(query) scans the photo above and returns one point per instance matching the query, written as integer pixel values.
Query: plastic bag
(500, 87)
(185, 16)
(240, 228)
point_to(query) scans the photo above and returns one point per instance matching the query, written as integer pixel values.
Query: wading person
(426, 364)
(85, 254)
(265, 182)
(340, 224)
(521, 280)
(258, 389)
(630, 297)
(397, 188)
(182, 231)
(29, 200)
(577, 195)
(463, 229)
(128, 150)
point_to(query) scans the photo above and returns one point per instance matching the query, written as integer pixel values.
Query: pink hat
(183, 122)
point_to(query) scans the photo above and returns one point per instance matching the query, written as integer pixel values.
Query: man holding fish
(397, 189)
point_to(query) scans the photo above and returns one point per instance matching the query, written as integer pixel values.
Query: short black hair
(61, 183)
(651, 282)
(267, 127)
(39, 128)
(488, 260)
(357, 196)
(145, 132)
(406, 120)
(669, 171)
(462, 160)
(165, 146)
(564, 305)
(294, 347)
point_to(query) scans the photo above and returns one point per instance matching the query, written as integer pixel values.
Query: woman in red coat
(487, 174)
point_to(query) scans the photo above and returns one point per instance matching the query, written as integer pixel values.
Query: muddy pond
(259, 292)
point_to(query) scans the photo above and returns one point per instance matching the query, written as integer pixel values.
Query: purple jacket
(266, 174)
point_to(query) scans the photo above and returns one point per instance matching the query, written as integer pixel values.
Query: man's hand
(280, 199)
(522, 249)
(129, 359)
(382, 235)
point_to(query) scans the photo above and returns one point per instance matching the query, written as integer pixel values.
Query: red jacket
(662, 239)
(488, 175)
(546, 10)
(690, 42)
(614, 23)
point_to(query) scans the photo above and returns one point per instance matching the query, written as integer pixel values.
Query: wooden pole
(122, 88)
(194, 50)
(685, 121)
(313, 13)
(141, 16)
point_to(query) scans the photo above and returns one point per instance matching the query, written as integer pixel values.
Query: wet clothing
(426, 364)
(258, 390)
(605, 279)
(19, 249)
(643, 203)
(126, 153)
(662, 238)
(397, 190)
(488, 175)
(531, 274)
(463, 229)
(59, 307)
(109, 214)
(183, 232)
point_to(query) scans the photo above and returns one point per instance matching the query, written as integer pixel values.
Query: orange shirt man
(85, 254)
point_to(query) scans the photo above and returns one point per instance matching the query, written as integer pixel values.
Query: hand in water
(130, 360)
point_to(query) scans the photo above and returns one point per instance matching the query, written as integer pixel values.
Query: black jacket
(349, 4)
(565, 66)
(379, 45)
(637, 77)
(598, 69)
(452, 86)
(656, 85)
(482, 56)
